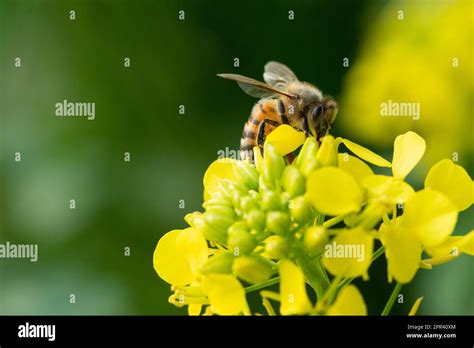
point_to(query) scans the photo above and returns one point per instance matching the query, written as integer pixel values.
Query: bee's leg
(305, 126)
(281, 110)
(261, 131)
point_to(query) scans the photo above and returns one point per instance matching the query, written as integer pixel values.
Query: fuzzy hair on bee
(283, 100)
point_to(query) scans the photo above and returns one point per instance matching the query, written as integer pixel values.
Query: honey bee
(284, 100)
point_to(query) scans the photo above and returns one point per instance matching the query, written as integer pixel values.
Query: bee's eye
(317, 112)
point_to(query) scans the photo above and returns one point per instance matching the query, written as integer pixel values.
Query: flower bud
(276, 247)
(229, 187)
(193, 219)
(251, 269)
(220, 263)
(327, 154)
(293, 181)
(308, 152)
(247, 204)
(246, 174)
(285, 198)
(270, 201)
(315, 238)
(239, 239)
(300, 210)
(278, 222)
(273, 166)
(217, 221)
(216, 200)
(256, 219)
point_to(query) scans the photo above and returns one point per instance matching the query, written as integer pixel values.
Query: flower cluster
(312, 220)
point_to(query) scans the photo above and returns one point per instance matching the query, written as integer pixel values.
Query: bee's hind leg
(261, 132)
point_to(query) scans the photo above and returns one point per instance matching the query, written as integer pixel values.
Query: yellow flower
(453, 246)
(286, 139)
(402, 250)
(349, 253)
(430, 216)
(348, 302)
(354, 166)
(366, 154)
(332, 191)
(407, 152)
(179, 255)
(219, 169)
(386, 189)
(293, 297)
(226, 294)
(453, 181)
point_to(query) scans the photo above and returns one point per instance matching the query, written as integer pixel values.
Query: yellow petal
(402, 250)
(226, 294)
(258, 159)
(387, 189)
(192, 245)
(219, 169)
(366, 154)
(415, 307)
(170, 265)
(430, 216)
(333, 192)
(327, 154)
(286, 139)
(194, 309)
(453, 181)
(293, 297)
(354, 166)
(348, 302)
(454, 245)
(349, 253)
(408, 150)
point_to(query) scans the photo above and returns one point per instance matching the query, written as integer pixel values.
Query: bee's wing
(255, 88)
(278, 75)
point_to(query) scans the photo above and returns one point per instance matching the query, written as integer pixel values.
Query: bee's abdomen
(264, 109)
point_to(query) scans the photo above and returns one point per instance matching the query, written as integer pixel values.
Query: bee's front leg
(281, 110)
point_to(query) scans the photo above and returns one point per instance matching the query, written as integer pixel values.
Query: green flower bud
(240, 240)
(278, 222)
(315, 238)
(217, 221)
(256, 219)
(285, 198)
(255, 195)
(228, 188)
(213, 234)
(327, 154)
(247, 204)
(270, 201)
(220, 263)
(308, 152)
(217, 200)
(293, 181)
(251, 269)
(301, 210)
(276, 247)
(193, 219)
(246, 174)
(273, 166)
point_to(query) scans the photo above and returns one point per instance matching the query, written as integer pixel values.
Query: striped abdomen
(264, 109)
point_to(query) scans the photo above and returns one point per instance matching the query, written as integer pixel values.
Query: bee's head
(321, 116)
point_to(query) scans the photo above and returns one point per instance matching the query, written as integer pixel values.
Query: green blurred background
(131, 204)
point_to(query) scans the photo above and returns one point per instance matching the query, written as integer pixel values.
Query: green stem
(314, 273)
(391, 300)
(334, 221)
(262, 284)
